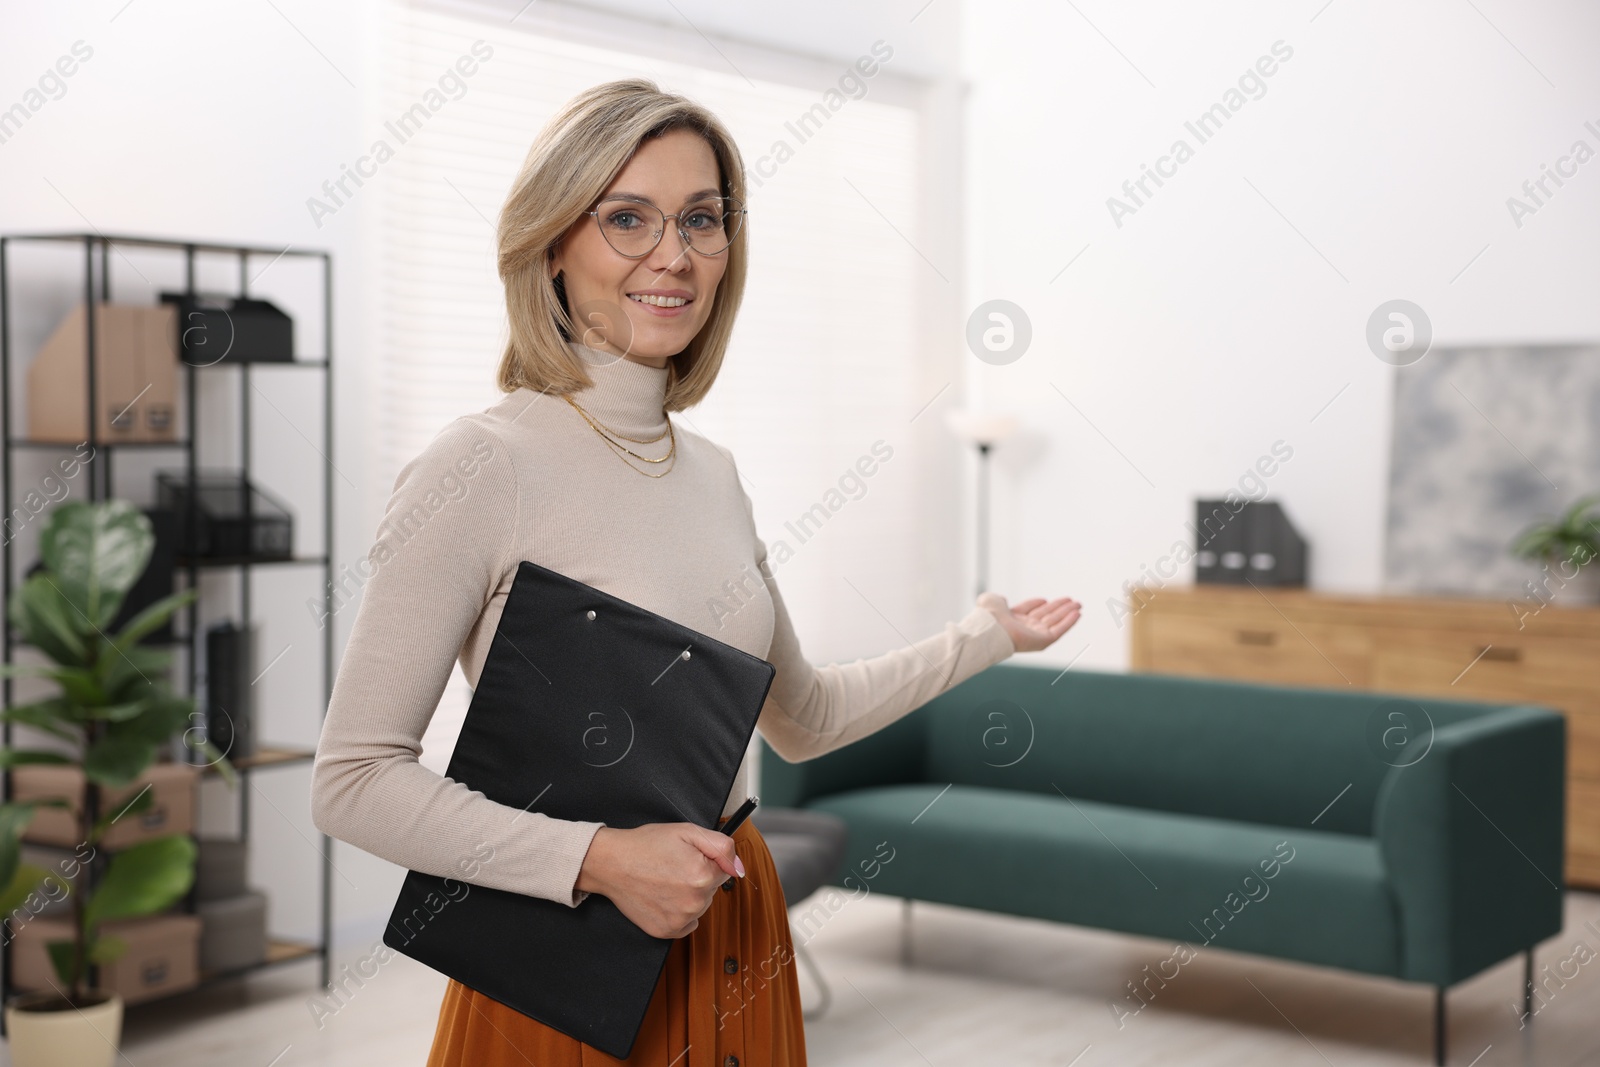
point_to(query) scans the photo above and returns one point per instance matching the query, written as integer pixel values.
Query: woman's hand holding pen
(662, 876)
(1032, 624)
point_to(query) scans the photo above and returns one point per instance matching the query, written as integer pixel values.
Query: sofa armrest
(1472, 838)
(890, 756)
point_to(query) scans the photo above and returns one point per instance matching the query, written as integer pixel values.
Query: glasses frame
(740, 211)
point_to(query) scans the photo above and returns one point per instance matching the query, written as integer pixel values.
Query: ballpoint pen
(738, 816)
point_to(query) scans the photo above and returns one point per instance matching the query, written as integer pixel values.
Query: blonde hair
(570, 164)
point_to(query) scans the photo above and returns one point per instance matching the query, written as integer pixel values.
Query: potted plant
(112, 715)
(1565, 545)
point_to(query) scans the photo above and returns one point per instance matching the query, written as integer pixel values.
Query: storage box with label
(136, 376)
(163, 955)
(234, 933)
(171, 811)
(221, 867)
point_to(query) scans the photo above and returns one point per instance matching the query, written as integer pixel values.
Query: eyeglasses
(634, 228)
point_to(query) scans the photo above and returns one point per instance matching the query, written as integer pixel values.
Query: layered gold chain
(607, 433)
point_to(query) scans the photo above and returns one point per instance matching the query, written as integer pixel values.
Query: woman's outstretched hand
(1032, 624)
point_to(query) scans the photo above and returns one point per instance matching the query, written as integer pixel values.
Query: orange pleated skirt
(727, 997)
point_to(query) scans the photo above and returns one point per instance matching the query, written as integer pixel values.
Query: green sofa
(1415, 838)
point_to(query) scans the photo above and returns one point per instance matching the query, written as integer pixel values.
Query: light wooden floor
(983, 989)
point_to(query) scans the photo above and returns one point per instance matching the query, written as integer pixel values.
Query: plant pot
(44, 1030)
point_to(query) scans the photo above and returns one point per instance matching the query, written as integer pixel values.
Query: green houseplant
(112, 715)
(1566, 544)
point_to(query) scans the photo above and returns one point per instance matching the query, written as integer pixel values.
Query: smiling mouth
(660, 301)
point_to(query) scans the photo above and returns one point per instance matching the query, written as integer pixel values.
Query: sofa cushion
(1271, 754)
(1200, 880)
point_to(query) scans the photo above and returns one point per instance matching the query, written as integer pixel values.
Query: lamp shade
(981, 427)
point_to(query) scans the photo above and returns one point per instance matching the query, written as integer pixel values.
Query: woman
(615, 319)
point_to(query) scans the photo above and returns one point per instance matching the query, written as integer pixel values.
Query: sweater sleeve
(443, 546)
(811, 710)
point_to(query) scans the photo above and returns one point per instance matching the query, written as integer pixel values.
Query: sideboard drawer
(1483, 665)
(1262, 646)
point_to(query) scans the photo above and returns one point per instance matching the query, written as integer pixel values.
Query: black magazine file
(600, 719)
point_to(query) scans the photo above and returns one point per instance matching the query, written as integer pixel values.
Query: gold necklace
(672, 449)
(614, 433)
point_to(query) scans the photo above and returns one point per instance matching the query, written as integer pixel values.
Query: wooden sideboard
(1466, 648)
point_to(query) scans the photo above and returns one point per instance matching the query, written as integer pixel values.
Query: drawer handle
(1256, 637)
(1502, 655)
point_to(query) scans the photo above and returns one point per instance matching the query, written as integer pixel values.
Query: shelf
(235, 561)
(267, 756)
(259, 363)
(162, 242)
(97, 284)
(279, 950)
(35, 442)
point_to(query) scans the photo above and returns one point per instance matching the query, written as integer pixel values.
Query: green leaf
(61, 957)
(165, 715)
(219, 759)
(143, 879)
(25, 881)
(120, 670)
(117, 759)
(1534, 542)
(78, 684)
(26, 670)
(14, 818)
(48, 620)
(150, 619)
(138, 805)
(1572, 520)
(106, 949)
(52, 716)
(119, 712)
(97, 551)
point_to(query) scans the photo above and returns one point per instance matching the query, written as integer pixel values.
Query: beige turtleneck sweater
(528, 478)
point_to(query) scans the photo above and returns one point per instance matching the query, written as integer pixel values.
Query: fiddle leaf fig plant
(112, 715)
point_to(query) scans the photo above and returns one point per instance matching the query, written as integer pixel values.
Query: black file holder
(676, 709)
(1256, 545)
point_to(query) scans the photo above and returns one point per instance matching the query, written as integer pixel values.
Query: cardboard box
(163, 955)
(136, 376)
(234, 933)
(221, 868)
(171, 810)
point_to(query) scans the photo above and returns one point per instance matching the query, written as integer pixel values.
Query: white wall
(1206, 328)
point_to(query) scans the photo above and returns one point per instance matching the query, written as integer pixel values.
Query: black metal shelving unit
(97, 289)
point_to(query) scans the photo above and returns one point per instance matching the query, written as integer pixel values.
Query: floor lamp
(983, 430)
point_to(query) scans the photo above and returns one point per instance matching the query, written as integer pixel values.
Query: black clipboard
(600, 710)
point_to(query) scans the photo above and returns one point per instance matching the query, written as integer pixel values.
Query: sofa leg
(1527, 985)
(905, 932)
(1438, 1026)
